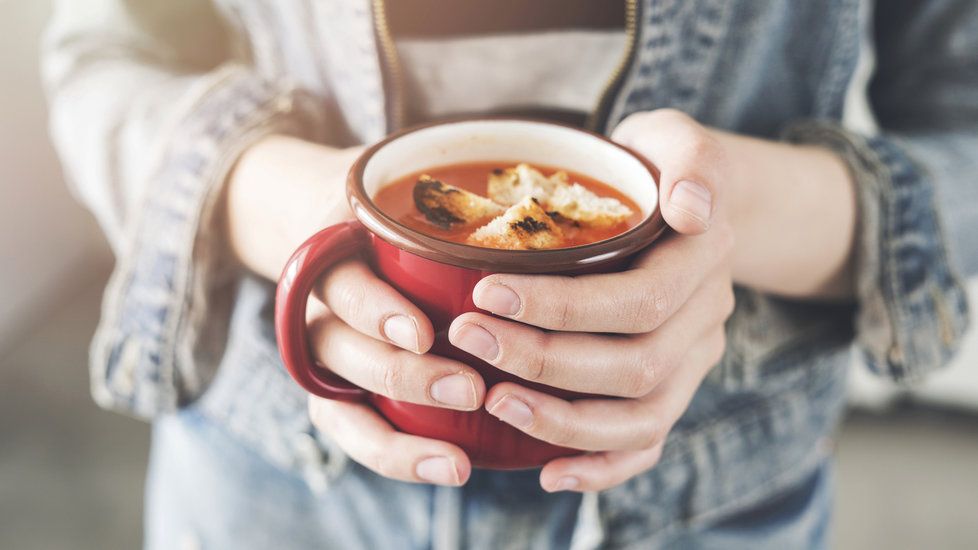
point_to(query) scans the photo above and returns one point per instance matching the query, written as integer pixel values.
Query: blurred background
(71, 475)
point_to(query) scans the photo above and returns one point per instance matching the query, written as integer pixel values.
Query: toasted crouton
(446, 205)
(509, 186)
(524, 226)
(575, 202)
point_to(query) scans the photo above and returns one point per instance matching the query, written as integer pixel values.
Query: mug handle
(319, 252)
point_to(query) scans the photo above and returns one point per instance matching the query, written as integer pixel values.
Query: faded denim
(255, 505)
(148, 123)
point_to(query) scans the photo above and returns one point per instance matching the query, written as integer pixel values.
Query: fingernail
(567, 483)
(476, 340)
(498, 299)
(693, 199)
(512, 411)
(456, 390)
(403, 331)
(439, 470)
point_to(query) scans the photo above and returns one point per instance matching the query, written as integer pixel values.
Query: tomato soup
(396, 200)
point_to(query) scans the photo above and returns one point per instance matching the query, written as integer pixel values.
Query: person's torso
(748, 66)
(506, 58)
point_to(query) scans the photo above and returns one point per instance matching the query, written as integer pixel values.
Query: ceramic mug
(438, 276)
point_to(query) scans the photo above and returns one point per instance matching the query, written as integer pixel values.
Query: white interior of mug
(512, 141)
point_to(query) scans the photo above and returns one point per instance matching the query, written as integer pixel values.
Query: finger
(621, 366)
(690, 160)
(371, 441)
(573, 361)
(606, 424)
(633, 301)
(357, 296)
(597, 471)
(392, 372)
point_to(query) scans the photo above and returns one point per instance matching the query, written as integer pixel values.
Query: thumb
(686, 205)
(689, 160)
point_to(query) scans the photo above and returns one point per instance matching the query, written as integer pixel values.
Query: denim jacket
(151, 102)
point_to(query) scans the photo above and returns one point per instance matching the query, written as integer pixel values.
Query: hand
(282, 191)
(647, 336)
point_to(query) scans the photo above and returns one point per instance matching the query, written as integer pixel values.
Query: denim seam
(760, 491)
(886, 181)
(141, 348)
(730, 425)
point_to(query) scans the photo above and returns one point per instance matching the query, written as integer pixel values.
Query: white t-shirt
(564, 70)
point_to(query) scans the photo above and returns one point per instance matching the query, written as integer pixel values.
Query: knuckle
(656, 455)
(652, 434)
(561, 313)
(720, 347)
(700, 152)
(643, 382)
(699, 144)
(647, 377)
(668, 363)
(650, 309)
(562, 434)
(729, 302)
(349, 299)
(539, 362)
(392, 379)
(642, 376)
(550, 306)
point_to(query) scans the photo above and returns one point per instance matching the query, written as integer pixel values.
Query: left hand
(647, 336)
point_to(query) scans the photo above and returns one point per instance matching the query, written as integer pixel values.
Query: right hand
(281, 192)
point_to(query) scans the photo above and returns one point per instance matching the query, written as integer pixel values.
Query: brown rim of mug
(492, 259)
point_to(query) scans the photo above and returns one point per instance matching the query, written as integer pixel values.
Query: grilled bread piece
(572, 201)
(446, 205)
(575, 202)
(524, 226)
(509, 186)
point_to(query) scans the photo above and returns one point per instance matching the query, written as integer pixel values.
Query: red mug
(439, 276)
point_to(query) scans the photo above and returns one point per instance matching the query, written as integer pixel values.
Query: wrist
(281, 191)
(794, 213)
(741, 198)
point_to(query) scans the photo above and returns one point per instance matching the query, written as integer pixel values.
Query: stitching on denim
(743, 418)
(149, 288)
(669, 70)
(760, 490)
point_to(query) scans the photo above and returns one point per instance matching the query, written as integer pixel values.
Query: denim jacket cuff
(166, 309)
(911, 306)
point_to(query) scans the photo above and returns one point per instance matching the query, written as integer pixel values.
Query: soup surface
(396, 200)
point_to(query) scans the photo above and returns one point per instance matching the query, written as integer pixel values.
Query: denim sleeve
(911, 306)
(916, 182)
(925, 96)
(149, 111)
